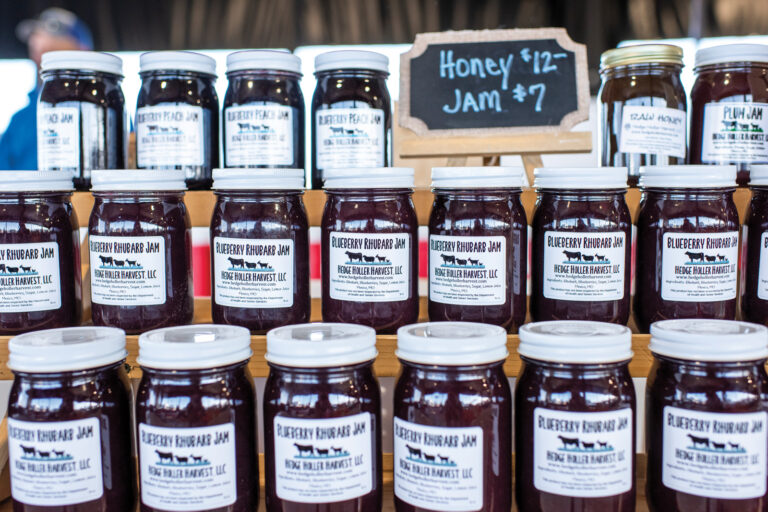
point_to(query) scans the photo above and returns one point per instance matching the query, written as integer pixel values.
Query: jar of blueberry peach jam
(322, 419)
(69, 422)
(706, 415)
(754, 234)
(196, 420)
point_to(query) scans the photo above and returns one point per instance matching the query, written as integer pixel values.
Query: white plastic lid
(576, 342)
(732, 53)
(687, 176)
(321, 345)
(36, 181)
(69, 349)
(263, 59)
(477, 177)
(81, 59)
(351, 59)
(120, 180)
(194, 347)
(258, 179)
(452, 343)
(580, 178)
(709, 340)
(758, 175)
(371, 177)
(182, 61)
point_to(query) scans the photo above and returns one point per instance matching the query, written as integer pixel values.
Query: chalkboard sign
(493, 81)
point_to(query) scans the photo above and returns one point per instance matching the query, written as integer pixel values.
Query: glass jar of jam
(641, 108)
(177, 115)
(196, 420)
(453, 419)
(478, 246)
(754, 290)
(322, 419)
(575, 418)
(69, 422)
(351, 112)
(40, 286)
(706, 415)
(581, 245)
(687, 244)
(140, 250)
(259, 248)
(369, 248)
(81, 119)
(729, 107)
(263, 116)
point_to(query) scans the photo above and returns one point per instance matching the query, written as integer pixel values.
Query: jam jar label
(127, 270)
(259, 134)
(715, 455)
(370, 268)
(468, 270)
(324, 461)
(699, 267)
(183, 469)
(652, 130)
(762, 275)
(350, 137)
(253, 273)
(170, 135)
(734, 132)
(584, 266)
(582, 454)
(439, 468)
(55, 463)
(58, 137)
(29, 277)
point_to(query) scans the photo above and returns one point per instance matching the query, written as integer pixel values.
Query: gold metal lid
(642, 54)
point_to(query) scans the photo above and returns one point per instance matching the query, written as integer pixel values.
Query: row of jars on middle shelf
(687, 249)
(574, 411)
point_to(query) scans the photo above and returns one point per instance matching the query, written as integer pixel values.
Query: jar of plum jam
(40, 286)
(687, 244)
(69, 422)
(351, 112)
(453, 419)
(322, 419)
(706, 415)
(196, 420)
(369, 248)
(581, 245)
(641, 108)
(259, 248)
(754, 291)
(478, 246)
(263, 112)
(729, 107)
(81, 119)
(575, 418)
(140, 250)
(177, 115)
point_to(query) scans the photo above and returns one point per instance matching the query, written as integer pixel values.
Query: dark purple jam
(754, 292)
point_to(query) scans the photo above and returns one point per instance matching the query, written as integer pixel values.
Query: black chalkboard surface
(502, 80)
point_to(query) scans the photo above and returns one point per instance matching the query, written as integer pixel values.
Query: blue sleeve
(18, 145)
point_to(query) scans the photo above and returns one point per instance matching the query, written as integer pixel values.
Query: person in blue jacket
(54, 29)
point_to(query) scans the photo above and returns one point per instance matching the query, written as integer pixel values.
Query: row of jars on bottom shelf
(575, 419)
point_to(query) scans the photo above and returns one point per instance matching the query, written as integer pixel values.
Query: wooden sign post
(493, 92)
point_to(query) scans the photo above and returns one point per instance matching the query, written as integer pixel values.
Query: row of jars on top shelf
(574, 413)
(82, 123)
(687, 263)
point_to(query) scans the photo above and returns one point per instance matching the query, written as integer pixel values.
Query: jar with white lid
(196, 420)
(581, 247)
(453, 419)
(706, 415)
(575, 414)
(69, 420)
(81, 119)
(322, 419)
(687, 244)
(478, 246)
